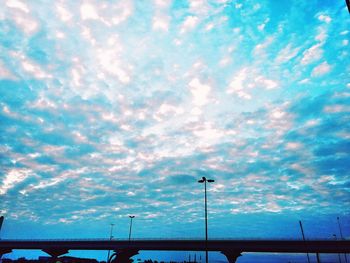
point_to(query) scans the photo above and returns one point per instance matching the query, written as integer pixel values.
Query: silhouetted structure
(205, 180)
(131, 218)
(348, 4)
(64, 259)
(341, 235)
(125, 249)
(1, 221)
(302, 232)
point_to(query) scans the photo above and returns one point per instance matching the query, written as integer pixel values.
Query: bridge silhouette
(125, 249)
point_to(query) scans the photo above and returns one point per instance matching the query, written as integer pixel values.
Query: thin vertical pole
(130, 228)
(302, 232)
(342, 238)
(1, 221)
(206, 221)
(318, 258)
(335, 238)
(341, 232)
(110, 238)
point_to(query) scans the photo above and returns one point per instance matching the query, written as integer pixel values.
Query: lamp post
(205, 180)
(302, 232)
(1, 221)
(110, 238)
(335, 238)
(342, 237)
(131, 217)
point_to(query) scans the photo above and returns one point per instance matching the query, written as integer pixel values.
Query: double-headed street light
(205, 180)
(131, 217)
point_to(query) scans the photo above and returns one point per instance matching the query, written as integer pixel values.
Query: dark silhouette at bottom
(123, 250)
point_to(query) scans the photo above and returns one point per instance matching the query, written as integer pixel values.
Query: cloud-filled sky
(112, 108)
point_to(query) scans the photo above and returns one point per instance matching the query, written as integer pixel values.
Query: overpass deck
(232, 248)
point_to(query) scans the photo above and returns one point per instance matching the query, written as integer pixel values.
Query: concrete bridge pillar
(55, 253)
(231, 255)
(123, 256)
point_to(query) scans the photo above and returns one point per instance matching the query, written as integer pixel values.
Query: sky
(118, 108)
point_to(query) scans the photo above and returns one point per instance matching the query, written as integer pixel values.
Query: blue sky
(112, 108)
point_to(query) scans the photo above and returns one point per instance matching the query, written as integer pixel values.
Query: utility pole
(302, 232)
(341, 235)
(110, 238)
(131, 217)
(335, 238)
(205, 180)
(1, 221)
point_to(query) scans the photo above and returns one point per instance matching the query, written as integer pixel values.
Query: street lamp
(335, 238)
(205, 180)
(341, 232)
(110, 238)
(131, 217)
(111, 234)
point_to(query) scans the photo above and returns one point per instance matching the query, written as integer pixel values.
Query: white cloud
(26, 23)
(237, 83)
(200, 92)
(110, 61)
(88, 11)
(312, 54)
(293, 146)
(63, 13)
(161, 23)
(244, 95)
(321, 69)
(286, 54)
(15, 4)
(208, 134)
(190, 23)
(337, 109)
(322, 35)
(225, 61)
(277, 114)
(12, 178)
(261, 27)
(162, 3)
(266, 83)
(166, 109)
(122, 11)
(34, 69)
(325, 18)
(259, 49)
(304, 81)
(199, 7)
